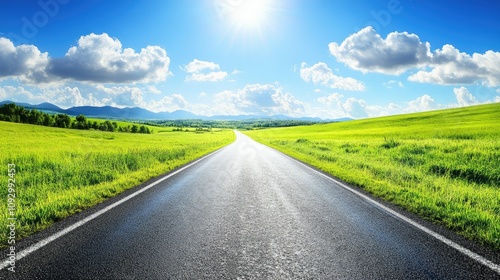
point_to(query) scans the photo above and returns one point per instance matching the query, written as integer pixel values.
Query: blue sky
(316, 58)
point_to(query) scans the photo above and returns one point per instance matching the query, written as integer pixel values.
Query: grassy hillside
(442, 165)
(62, 171)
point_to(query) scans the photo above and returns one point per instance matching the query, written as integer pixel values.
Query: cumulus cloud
(96, 58)
(169, 104)
(17, 93)
(71, 96)
(24, 61)
(100, 58)
(128, 96)
(319, 73)
(497, 99)
(257, 99)
(99, 95)
(61, 96)
(422, 103)
(334, 99)
(204, 71)
(356, 108)
(464, 97)
(399, 52)
(450, 66)
(154, 90)
(367, 51)
(359, 108)
(353, 107)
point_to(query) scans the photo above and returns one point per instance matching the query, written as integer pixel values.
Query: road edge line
(467, 252)
(25, 252)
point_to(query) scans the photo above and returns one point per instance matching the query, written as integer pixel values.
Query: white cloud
(18, 93)
(359, 108)
(154, 90)
(116, 90)
(70, 96)
(196, 66)
(100, 58)
(489, 65)
(122, 96)
(450, 66)
(287, 104)
(464, 97)
(319, 73)
(422, 103)
(25, 61)
(96, 58)
(333, 99)
(356, 108)
(60, 96)
(498, 90)
(367, 51)
(204, 71)
(392, 83)
(497, 99)
(207, 77)
(169, 104)
(257, 99)
(353, 107)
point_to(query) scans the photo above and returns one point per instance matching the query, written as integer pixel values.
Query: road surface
(247, 212)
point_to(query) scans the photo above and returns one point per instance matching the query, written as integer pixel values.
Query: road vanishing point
(244, 212)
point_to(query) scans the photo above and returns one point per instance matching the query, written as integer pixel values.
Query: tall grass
(62, 171)
(442, 165)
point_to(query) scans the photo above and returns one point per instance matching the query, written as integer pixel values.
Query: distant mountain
(343, 120)
(48, 106)
(143, 114)
(25, 105)
(180, 115)
(111, 112)
(42, 106)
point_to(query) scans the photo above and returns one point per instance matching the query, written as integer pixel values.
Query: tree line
(237, 124)
(14, 113)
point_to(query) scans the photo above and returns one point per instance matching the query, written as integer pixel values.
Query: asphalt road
(247, 212)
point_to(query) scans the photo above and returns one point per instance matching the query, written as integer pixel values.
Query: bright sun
(250, 14)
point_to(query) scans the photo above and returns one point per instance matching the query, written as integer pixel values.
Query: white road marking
(461, 249)
(493, 266)
(43, 242)
(482, 260)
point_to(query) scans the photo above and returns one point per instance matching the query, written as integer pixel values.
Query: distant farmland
(442, 165)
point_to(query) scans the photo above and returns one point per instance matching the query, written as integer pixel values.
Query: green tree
(109, 126)
(81, 122)
(62, 120)
(35, 117)
(48, 120)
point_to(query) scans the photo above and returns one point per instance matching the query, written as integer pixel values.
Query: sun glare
(251, 14)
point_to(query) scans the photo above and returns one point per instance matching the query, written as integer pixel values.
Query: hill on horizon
(138, 113)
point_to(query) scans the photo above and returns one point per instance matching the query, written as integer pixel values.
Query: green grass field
(442, 165)
(62, 171)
